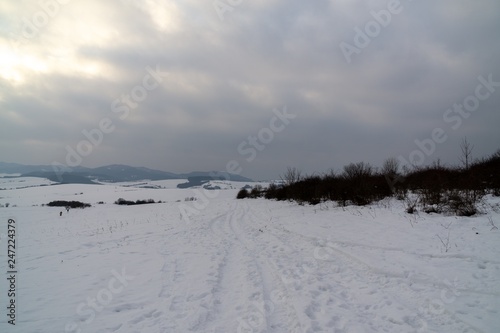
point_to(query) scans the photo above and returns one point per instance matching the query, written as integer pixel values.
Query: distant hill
(109, 173)
(66, 178)
(216, 176)
(120, 173)
(199, 179)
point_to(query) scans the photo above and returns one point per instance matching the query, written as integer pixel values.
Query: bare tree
(291, 176)
(390, 168)
(357, 171)
(466, 149)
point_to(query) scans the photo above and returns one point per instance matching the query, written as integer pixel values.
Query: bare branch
(466, 149)
(291, 176)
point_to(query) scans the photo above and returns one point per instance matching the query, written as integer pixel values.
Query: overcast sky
(192, 85)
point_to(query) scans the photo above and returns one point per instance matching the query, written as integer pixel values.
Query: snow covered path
(309, 285)
(254, 266)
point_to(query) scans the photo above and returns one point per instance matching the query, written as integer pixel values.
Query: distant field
(217, 264)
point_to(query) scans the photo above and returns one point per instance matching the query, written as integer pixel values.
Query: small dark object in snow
(477, 233)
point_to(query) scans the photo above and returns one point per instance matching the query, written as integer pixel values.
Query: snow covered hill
(244, 265)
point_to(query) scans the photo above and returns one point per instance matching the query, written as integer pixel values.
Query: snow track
(268, 279)
(255, 266)
(335, 286)
(268, 303)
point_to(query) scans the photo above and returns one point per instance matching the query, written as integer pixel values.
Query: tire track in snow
(368, 292)
(263, 307)
(233, 286)
(277, 301)
(193, 255)
(302, 276)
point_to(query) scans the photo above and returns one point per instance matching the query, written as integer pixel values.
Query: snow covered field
(244, 265)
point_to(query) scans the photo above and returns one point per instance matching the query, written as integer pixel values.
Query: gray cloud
(224, 78)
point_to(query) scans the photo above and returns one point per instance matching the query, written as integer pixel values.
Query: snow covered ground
(226, 265)
(22, 182)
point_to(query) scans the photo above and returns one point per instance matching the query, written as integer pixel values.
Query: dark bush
(277, 192)
(144, 202)
(464, 202)
(242, 194)
(71, 204)
(271, 191)
(357, 185)
(124, 202)
(437, 188)
(256, 192)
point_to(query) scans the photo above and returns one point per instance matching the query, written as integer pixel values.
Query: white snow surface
(23, 182)
(248, 265)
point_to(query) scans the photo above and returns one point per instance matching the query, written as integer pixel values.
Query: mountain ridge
(109, 173)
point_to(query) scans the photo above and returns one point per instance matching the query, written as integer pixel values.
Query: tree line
(434, 188)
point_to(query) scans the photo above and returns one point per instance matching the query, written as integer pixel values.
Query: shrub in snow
(242, 194)
(433, 189)
(256, 192)
(464, 203)
(124, 202)
(71, 204)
